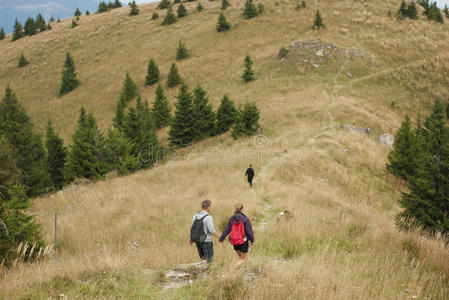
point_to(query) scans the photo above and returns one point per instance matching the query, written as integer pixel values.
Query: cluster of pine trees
(420, 156)
(407, 11)
(251, 10)
(103, 7)
(31, 27)
(431, 11)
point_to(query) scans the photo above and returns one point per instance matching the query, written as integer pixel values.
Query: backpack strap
(202, 217)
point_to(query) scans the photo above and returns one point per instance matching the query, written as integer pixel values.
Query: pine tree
(402, 161)
(181, 51)
(27, 147)
(446, 11)
(119, 113)
(170, 18)
(152, 73)
(412, 11)
(87, 156)
(222, 24)
(102, 7)
(134, 9)
(224, 4)
(23, 61)
(318, 23)
(426, 203)
(2, 34)
(48, 26)
(161, 109)
(18, 31)
(447, 110)
(248, 73)
(77, 12)
(117, 4)
(110, 5)
(181, 130)
(129, 90)
(40, 23)
(247, 122)
(20, 226)
(173, 78)
(203, 115)
(30, 27)
(403, 11)
(69, 80)
(164, 4)
(199, 7)
(303, 4)
(155, 16)
(56, 159)
(87, 12)
(118, 153)
(182, 11)
(226, 116)
(250, 10)
(10, 174)
(74, 24)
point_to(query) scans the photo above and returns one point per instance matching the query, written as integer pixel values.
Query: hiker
(202, 231)
(368, 130)
(250, 174)
(240, 234)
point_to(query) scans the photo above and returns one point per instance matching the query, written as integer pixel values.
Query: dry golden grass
(342, 243)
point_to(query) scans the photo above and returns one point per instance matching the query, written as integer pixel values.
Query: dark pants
(250, 181)
(205, 250)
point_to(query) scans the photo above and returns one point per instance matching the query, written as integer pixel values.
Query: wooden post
(56, 228)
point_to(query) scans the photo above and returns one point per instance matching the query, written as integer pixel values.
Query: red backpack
(237, 235)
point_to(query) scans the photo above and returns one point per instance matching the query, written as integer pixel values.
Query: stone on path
(386, 139)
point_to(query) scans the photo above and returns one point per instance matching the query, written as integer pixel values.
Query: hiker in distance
(202, 231)
(240, 234)
(250, 174)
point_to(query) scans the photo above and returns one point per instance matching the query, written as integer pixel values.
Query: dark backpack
(197, 233)
(237, 235)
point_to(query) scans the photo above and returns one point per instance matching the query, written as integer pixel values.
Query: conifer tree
(250, 10)
(161, 109)
(129, 90)
(87, 156)
(48, 26)
(247, 122)
(134, 9)
(110, 5)
(199, 7)
(426, 202)
(23, 61)
(412, 11)
(87, 12)
(248, 73)
(303, 4)
(2, 34)
(69, 80)
(118, 153)
(182, 11)
(56, 159)
(74, 24)
(19, 226)
(170, 17)
(119, 113)
(173, 78)
(18, 31)
(40, 23)
(203, 115)
(181, 51)
(30, 27)
(77, 12)
(102, 7)
(318, 23)
(181, 130)
(10, 174)
(224, 4)
(117, 4)
(446, 11)
(402, 12)
(154, 16)
(152, 73)
(27, 148)
(226, 116)
(402, 160)
(164, 4)
(222, 24)
(447, 110)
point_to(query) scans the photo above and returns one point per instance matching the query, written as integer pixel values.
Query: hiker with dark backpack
(202, 231)
(240, 234)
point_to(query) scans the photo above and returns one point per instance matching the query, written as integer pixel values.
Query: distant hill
(22, 9)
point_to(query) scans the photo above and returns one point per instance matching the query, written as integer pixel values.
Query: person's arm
(193, 221)
(210, 226)
(226, 231)
(249, 231)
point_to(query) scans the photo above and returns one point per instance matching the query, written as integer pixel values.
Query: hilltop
(118, 236)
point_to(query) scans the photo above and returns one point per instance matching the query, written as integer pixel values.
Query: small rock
(319, 53)
(345, 150)
(349, 74)
(315, 66)
(386, 139)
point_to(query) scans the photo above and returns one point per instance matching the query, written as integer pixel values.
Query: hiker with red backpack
(202, 231)
(240, 234)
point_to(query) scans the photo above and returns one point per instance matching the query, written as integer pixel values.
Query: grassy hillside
(117, 236)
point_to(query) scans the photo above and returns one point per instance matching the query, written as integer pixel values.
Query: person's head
(250, 166)
(238, 208)
(205, 205)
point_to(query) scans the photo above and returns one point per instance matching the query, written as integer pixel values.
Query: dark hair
(206, 204)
